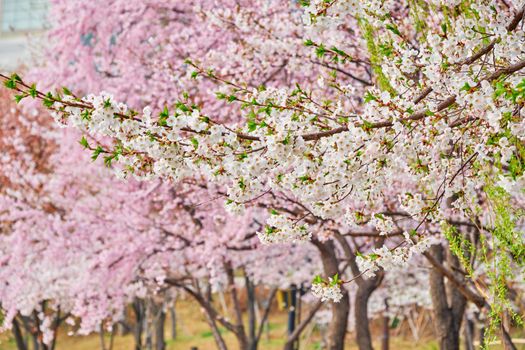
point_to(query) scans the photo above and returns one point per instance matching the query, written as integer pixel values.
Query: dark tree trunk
(123, 327)
(385, 338)
(240, 333)
(482, 338)
(219, 340)
(101, 337)
(337, 331)
(300, 327)
(507, 340)
(32, 330)
(173, 318)
(252, 322)
(19, 338)
(340, 311)
(365, 288)
(138, 308)
(448, 303)
(148, 325)
(468, 330)
(292, 314)
(160, 341)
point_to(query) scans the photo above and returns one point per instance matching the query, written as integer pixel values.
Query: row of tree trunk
(449, 303)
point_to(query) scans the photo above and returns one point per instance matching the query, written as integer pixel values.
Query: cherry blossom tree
(85, 245)
(411, 125)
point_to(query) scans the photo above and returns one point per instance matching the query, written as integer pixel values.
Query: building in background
(19, 19)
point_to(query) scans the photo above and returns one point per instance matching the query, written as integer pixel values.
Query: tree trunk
(32, 330)
(448, 304)
(340, 311)
(101, 337)
(173, 317)
(138, 309)
(219, 340)
(337, 331)
(239, 324)
(263, 322)
(300, 327)
(468, 330)
(19, 338)
(507, 340)
(365, 288)
(160, 342)
(385, 338)
(252, 322)
(292, 313)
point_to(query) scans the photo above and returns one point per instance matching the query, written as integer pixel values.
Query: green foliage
(508, 252)
(163, 116)
(505, 220)
(375, 58)
(459, 245)
(393, 29)
(11, 83)
(48, 100)
(195, 142)
(96, 152)
(84, 142)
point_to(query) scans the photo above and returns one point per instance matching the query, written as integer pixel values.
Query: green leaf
(367, 126)
(373, 256)
(163, 116)
(369, 97)
(444, 28)
(465, 87)
(252, 125)
(107, 103)
(182, 107)
(16, 77)
(108, 160)
(84, 142)
(393, 29)
(96, 153)
(10, 84)
(317, 280)
(242, 156)
(48, 101)
(308, 42)
(304, 3)
(19, 98)
(338, 51)
(320, 51)
(241, 184)
(195, 142)
(85, 115)
(269, 230)
(32, 91)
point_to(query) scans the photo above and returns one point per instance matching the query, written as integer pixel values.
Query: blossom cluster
(327, 290)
